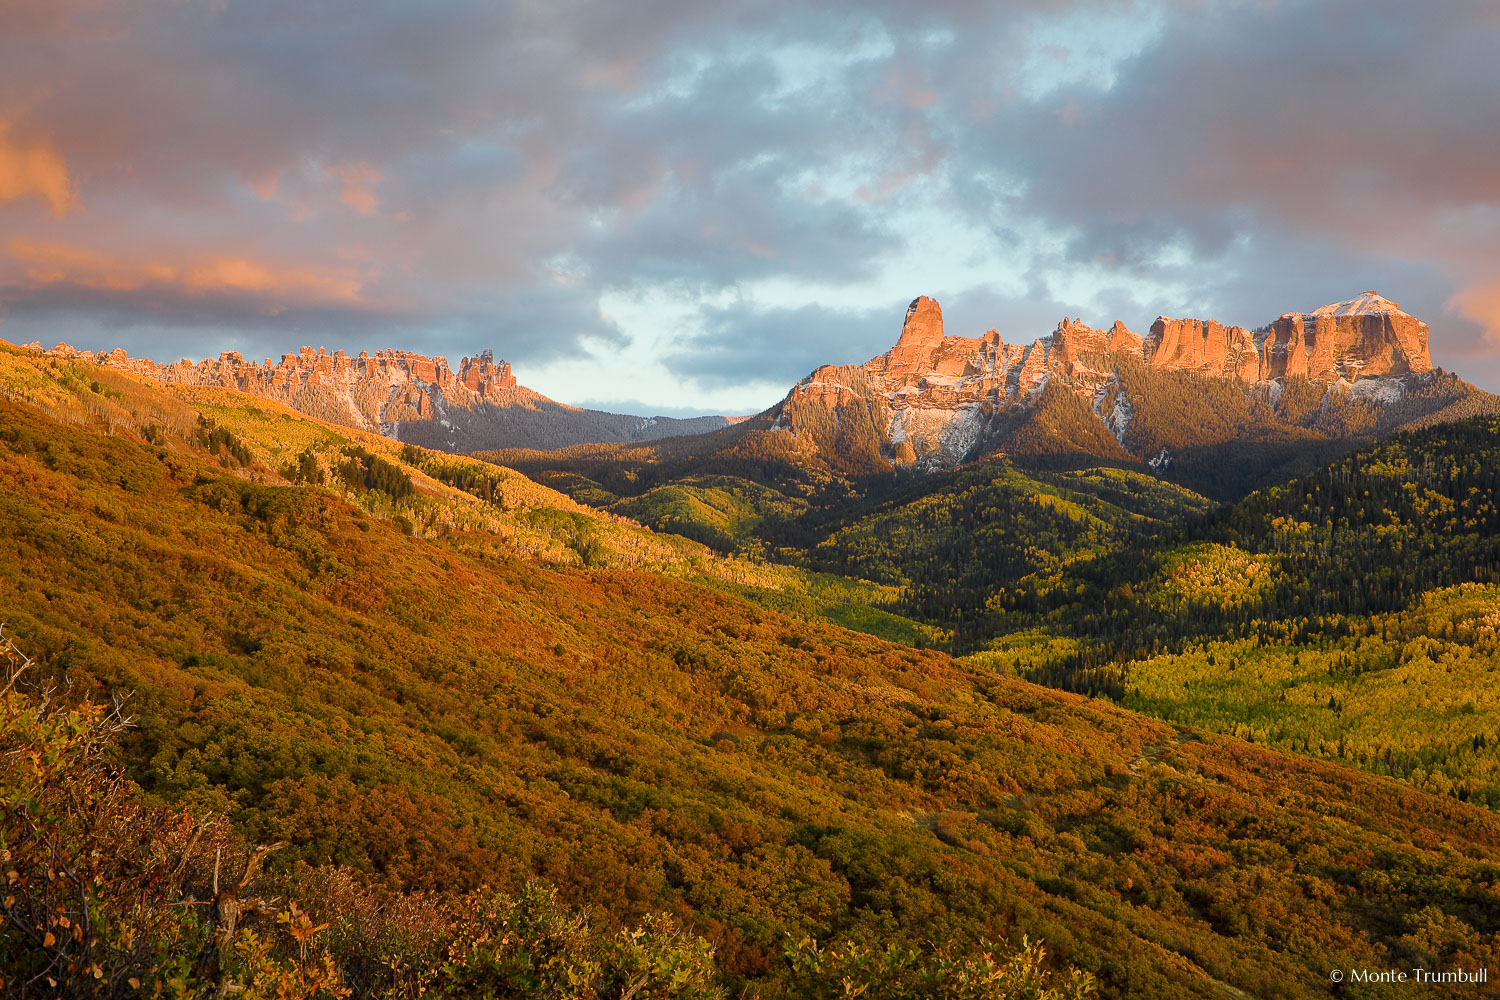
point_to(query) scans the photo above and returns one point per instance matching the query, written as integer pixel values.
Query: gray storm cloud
(187, 177)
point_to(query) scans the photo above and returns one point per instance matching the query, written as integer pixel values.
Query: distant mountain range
(411, 398)
(1220, 408)
(936, 401)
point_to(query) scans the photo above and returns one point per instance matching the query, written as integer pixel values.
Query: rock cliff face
(1366, 336)
(410, 397)
(938, 399)
(1206, 347)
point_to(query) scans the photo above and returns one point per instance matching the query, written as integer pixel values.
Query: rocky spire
(924, 324)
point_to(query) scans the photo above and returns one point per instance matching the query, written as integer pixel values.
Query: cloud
(733, 344)
(57, 266)
(1371, 134)
(1345, 135)
(34, 170)
(357, 186)
(1481, 304)
(460, 175)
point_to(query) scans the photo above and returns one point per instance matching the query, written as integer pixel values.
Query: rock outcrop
(370, 392)
(938, 397)
(940, 392)
(1367, 335)
(1204, 346)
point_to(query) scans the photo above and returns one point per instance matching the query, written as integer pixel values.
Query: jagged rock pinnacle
(924, 324)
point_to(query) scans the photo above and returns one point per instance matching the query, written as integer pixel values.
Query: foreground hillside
(108, 896)
(452, 703)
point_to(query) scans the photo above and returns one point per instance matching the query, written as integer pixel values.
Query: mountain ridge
(1219, 409)
(941, 393)
(408, 397)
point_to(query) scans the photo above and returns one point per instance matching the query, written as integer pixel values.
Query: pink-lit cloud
(1481, 304)
(58, 264)
(34, 170)
(357, 186)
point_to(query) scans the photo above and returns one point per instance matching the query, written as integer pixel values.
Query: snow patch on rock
(1120, 417)
(962, 433)
(1363, 304)
(1379, 390)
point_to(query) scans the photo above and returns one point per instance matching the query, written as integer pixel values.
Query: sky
(680, 206)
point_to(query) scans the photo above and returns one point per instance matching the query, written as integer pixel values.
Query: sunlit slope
(439, 495)
(269, 441)
(441, 709)
(1222, 441)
